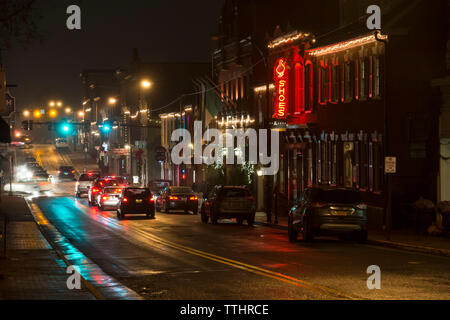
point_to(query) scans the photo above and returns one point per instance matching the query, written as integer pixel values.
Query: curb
(100, 292)
(384, 243)
(409, 247)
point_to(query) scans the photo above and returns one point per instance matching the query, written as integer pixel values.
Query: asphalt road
(175, 256)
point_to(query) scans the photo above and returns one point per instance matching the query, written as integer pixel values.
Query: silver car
(109, 198)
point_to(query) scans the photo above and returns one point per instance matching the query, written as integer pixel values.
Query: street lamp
(80, 114)
(68, 110)
(37, 114)
(26, 113)
(53, 113)
(59, 103)
(146, 84)
(52, 103)
(112, 100)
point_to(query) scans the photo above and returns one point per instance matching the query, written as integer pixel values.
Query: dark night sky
(163, 30)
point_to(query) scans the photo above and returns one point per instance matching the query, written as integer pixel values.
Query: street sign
(390, 165)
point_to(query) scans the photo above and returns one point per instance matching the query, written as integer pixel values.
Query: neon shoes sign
(281, 86)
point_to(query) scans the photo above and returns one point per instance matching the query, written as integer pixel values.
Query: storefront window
(309, 85)
(376, 76)
(348, 164)
(335, 84)
(348, 79)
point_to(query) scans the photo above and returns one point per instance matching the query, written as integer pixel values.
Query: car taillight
(125, 200)
(319, 204)
(151, 199)
(105, 198)
(95, 190)
(89, 173)
(59, 171)
(361, 206)
(193, 198)
(173, 198)
(73, 171)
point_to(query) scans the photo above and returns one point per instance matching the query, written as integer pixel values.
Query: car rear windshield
(336, 196)
(113, 190)
(138, 193)
(181, 190)
(87, 177)
(234, 193)
(66, 168)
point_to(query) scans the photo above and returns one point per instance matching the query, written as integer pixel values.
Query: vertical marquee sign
(281, 86)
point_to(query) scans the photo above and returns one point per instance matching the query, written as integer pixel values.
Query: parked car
(84, 182)
(229, 202)
(324, 211)
(177, 198)
(61, 143)
(97, 187)
(135, 200)
(66, 172)
(108, 198)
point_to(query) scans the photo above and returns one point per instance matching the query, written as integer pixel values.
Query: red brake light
(89, 173)
(73, 171)
(95, 190)
(151, 199)
(173, 198)
(105, 198)
(193, 198)
(125, 200)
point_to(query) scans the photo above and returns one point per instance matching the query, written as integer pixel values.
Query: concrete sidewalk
(31, 269)
(400, 239)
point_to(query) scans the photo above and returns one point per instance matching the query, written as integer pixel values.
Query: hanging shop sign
(281, 78)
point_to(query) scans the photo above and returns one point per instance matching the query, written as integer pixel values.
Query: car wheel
(239, 221)
(292, 233)
(205, 218)
(306, 232)
(251, 219)
(214, 217)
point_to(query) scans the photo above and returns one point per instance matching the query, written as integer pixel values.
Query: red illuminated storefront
(328, 100)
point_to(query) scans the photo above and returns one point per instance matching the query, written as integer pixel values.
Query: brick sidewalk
(31, 269)
(400, 239)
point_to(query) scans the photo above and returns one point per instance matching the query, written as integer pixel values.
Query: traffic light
(106, 127)
(65, 128)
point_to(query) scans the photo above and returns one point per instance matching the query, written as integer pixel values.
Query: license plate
(138, 200)
(340, 213)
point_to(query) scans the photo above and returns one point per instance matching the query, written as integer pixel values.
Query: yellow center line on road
(236, 264)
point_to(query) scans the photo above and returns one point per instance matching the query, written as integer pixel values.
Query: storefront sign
(281, 78)
(119, 151)
(390, 164)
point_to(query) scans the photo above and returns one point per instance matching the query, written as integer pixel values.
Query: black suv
(134, 200)
(66, 172)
